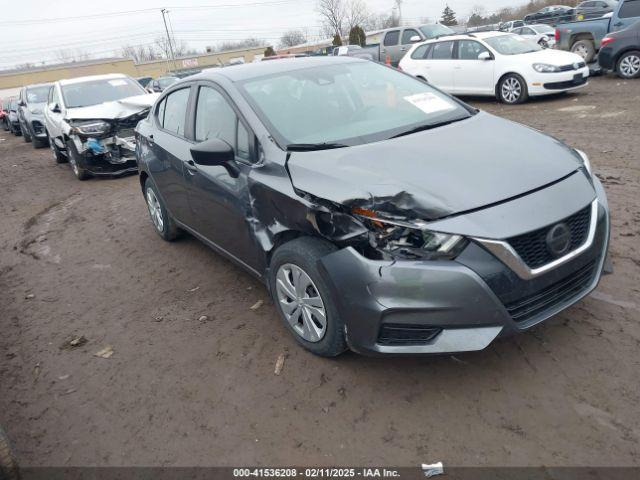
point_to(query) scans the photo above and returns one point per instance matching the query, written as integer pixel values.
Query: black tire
(16, 131)
(304, 252)
(169, 230)
(77, 165)
(585, 48)
(512, 79)
(628, 66)
(57, 154)
(8, 465)
(26, 135)
(5, 125)
(40, 142)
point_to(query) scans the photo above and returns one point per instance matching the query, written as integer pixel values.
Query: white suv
(90, 122)
(495, 63)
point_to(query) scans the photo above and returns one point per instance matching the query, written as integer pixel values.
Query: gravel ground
(82, 259)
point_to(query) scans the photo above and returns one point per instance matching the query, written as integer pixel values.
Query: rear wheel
(628, 65)
(76, 162)
(512, 89)
(585, 49)
(39, 142)
(162, 221)
(303, 298)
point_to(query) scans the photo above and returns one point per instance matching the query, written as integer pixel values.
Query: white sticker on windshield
(118, 82)
(429, 102)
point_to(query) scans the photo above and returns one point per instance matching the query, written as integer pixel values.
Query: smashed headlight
(545, 68)
(409, 240)
(92, 127)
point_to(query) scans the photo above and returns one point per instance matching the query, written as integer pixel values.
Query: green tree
(337, 41)
(448, 17)
(269, 52)
(357, 36)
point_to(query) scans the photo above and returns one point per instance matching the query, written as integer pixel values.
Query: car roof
(467, 36)
(246, 71)
(91, 78)
(36, 85)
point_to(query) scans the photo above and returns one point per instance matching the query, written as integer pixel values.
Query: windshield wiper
(427, 126)
(309, 147)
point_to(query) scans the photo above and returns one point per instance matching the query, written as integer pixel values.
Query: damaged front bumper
(112, 156)
(449, 306)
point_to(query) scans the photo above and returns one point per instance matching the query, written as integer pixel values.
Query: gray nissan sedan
(383, 215)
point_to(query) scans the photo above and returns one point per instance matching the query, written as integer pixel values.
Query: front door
(629, 13)
(471, 75)
(219, 195)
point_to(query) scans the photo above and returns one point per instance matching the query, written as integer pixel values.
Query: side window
(470, 49)
(175, 111)
(50, 96)
(630, 9)
(391, 38)
(442, 51)
(160, 111)
(517, 31)
(407, 34)
(420, 52)
(527, 31)
(215, 118)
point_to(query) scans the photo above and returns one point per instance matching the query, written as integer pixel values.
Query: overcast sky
(33, 30)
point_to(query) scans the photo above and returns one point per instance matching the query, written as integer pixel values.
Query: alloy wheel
(511, 90)
(582, 51)
(301, 303)
(630, 66)
(155, 210)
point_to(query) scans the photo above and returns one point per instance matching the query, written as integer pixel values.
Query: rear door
(170, 150)
(440, 64)
(390, 48)
(471, 75)
(628, 13)
(219, 195)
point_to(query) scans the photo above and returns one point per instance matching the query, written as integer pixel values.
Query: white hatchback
(495, 63)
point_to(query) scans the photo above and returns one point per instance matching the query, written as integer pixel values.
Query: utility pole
(173, 57)
(399, 5)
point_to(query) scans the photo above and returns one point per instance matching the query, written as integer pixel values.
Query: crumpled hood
(432, 174)
(122, 108)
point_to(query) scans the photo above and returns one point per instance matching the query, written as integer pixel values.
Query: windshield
(164, 82)
(349, 103)
(544, 29)
(512, 45)
(38, 94)
(99, 91)
(431, 31)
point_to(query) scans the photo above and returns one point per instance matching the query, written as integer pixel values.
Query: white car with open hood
(90, 122)
(495, 63)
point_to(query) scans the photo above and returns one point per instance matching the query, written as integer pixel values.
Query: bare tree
(356, 15)
(140, 53)
(333, 13)
(292, 38)
(237, 45)
(72, 55)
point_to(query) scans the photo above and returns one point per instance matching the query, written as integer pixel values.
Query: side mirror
(22, 104)
(484, 56)
(55, 108)
(415, 38)
(215, 152)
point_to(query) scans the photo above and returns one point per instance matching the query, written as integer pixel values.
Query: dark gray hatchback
(382, 214)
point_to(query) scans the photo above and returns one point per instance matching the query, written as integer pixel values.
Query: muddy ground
(181, 391)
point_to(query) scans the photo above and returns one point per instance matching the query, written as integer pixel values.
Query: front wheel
(77, 165)
(628, 65)
(585, 49)
(8, 466)
(60, 158)
(512, 89)
(26, 136)
(303, 298)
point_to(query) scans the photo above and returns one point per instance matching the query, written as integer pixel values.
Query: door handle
(191, 167)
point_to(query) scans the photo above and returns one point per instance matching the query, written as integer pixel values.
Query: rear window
(432, 31)
(99, 91)
(630, 9)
